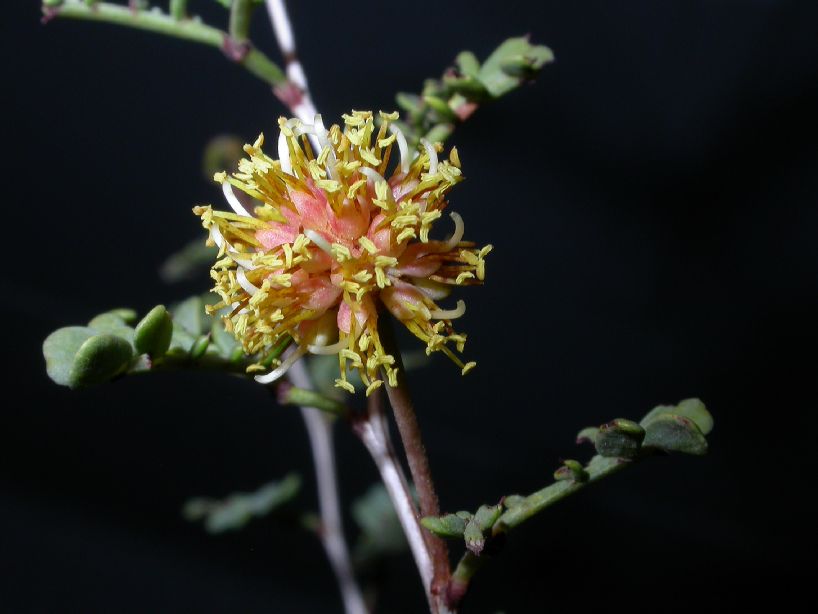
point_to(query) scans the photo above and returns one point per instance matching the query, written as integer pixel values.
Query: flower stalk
(374, 434)
(409, 429)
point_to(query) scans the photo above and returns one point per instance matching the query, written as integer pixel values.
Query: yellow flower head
(326, 237)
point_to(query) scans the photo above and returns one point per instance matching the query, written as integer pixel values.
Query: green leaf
(467, 64)
(690, 408)
(290, 395)
(675, 433)
(512, 63)
(571, 470)
(381, 532)
(487, 515)
(192, 259)
(449, 525)
(473, 536)
(59, 350)
(126, 314)
(235, 511)
(619, 438)
(224, 341)
(439, 132)
(411, 103)
(153, 333)
(99, 359)
(440, 106)
(191, 316)
(113, 324)
(587, 434)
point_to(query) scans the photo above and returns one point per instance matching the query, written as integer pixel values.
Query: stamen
(233, 201)
(449, 314)
(371, 174)
(459, 229)
(276, 373)
(435, 290)
(219, 240)
(430, 150)
(323, 142)
(245, 283)
(318, 240)
(284, 154)
(328, 350)
(405, 161)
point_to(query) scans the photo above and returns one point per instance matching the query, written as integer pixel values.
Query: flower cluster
(322, 237)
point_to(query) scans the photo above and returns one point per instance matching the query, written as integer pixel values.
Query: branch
(374, 434)
(295, 93)
(411, 439)
(619, 444)
(319, 430)
(253, 60)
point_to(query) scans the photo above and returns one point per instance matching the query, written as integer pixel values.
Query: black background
(653, 202)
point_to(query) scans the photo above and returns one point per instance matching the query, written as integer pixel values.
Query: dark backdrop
(653, 201)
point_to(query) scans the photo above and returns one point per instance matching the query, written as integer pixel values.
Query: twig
(239, 25)
(375, 437)
(598, 468)
(161, 23)
(319, 430)
(296, 92)
(409, 430)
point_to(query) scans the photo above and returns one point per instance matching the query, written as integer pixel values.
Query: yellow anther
(328, 185)
(381, 278)
(406, 233)
(373, 386)
(355, 187)
(463, 277)
(340, 252)
(368, 245)
(454, 157)
(385, 261)
(386, 142)
(362, 276)
(342, 383)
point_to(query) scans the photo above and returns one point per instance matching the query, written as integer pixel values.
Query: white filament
(435, 290)
(233, 201)
(449, 314)
(323, 141)
(459, 229)
(403, 147)
(269, 378)
(284, 154)
(318, 240)
(430, 150)
(219, 240)
(328, 350)
(217, 236)
(245, 283)
(371, 174)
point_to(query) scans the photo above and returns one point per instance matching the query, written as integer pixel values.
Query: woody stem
(409, 429)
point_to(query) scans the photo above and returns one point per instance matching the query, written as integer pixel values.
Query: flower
(325, 238)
